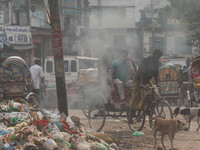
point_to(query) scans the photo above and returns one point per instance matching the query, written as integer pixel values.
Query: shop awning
(20, 47)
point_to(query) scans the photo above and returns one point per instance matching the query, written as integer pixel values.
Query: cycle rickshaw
(194, 77)
(16, 80)
(98, 108)
(169, 81)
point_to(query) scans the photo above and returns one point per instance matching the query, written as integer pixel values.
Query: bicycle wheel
(136, 120)
(159, 109)
(97, 97)
(85, 108)
(97, 116)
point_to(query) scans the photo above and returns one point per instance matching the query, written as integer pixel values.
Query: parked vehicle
(16, 80)
(169, 81)
(71, 67)
(194, 75)
(79, 70)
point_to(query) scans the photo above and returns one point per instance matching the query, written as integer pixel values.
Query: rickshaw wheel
(87, 102)
(85, 109)
(159, 109)
(138, 120)
(32, 100)
(97, 116)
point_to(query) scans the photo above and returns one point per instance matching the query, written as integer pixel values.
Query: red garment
(66, 128)
(40, 122)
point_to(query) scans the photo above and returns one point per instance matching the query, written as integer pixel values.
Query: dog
(168, 127)
(189, 114)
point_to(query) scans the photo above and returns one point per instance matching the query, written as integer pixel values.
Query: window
(49, 65)
(66, 66)
(73, 66)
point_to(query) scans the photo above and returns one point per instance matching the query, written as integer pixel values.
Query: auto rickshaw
(16, 80)
(169, 82)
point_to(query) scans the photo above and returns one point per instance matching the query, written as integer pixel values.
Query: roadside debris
(25, 128)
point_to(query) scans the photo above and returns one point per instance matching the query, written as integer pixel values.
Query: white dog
(189, 114)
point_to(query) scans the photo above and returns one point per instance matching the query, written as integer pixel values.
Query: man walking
(37, 75)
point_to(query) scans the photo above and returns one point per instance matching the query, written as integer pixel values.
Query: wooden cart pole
(58, 56)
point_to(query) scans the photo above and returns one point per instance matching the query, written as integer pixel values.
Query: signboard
(18, 35)
(1, 17)
(2, 34)
(38, 19)
(56, 37)
(19, 3)
(68, 7)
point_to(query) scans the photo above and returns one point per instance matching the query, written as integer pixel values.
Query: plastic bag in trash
(50, 144)
(70, 122)
(3, 132)
(137, 133)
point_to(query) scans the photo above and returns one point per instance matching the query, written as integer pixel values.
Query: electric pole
(58, 56)
(152, 23)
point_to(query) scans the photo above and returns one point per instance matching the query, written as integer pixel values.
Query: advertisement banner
(1, 17)
(18, 35)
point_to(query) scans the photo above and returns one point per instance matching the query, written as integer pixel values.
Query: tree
(188, 11)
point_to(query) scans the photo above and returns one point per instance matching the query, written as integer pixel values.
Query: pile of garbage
(26, 128)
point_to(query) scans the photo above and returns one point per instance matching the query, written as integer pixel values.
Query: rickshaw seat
(115, 100)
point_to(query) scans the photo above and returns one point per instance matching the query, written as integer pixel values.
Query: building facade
(112, 24)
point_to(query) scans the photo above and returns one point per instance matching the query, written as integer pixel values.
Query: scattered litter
(137, 133)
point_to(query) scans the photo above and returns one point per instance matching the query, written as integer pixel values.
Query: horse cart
(97, 108)
(169, 82)
(16, 81)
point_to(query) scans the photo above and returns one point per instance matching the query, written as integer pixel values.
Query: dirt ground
(184, 140)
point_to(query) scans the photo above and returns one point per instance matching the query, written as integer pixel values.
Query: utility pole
(27, 4)
(152, 23)
(58, 56)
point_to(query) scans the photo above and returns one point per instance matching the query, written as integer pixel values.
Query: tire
(97, 97)
(33, 101)
(138, 120)
(159, 109)
(85, 108)
(97, 116)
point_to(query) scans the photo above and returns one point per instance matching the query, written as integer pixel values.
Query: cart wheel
(32, 100)
(85, 108)
(87, 102)
(136, 120)
(97, 116)
(160, 109)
